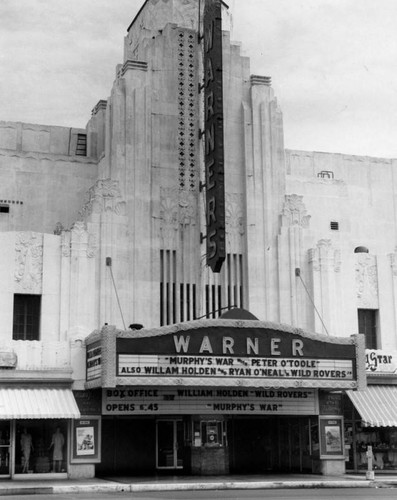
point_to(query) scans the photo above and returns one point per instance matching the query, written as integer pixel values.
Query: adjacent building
(134, 249)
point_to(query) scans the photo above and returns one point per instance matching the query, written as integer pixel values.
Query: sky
(333, 64)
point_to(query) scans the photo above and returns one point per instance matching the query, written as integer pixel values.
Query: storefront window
(4, 447)
(383, 441)
(384, 447)
(40, 446)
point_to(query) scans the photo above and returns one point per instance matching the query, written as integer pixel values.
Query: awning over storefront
(20, 403)
(377, 405)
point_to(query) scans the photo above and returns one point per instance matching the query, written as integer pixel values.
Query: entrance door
(293, 439)
(284, 445)
(296, 447)
(169, 444)
(4, 448)
(270, 445)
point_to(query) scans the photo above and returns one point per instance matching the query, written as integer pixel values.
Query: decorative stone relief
(103, 196)
(234, 221)
(58, 229)
(8, 357)
(325, 256)
(367, 281)
(79, 233)
(168, 215)
(178, 210)
(29, 262)
(187, 208)
(294, 212)
(82, 241)
(313, 259)
(156, 14)
(65, 243)
(92, 245)
(393, 262)
(187, 109)
(338, 261)
(185, 12)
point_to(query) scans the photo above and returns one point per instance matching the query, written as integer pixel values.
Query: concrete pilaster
(265, 178)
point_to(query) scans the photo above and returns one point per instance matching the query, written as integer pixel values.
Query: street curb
(216, 485)
(192, 486)
(18, 490)
(256, 485)
(89, 488)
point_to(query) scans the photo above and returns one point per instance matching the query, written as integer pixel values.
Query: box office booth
(222, 396)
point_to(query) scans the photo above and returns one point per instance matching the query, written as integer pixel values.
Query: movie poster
(333, 439)
(85, 442)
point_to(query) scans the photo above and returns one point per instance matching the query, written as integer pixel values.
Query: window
(26, 325)
(361, 249)
(326, 174)
(81, 147)
(367, 321)
(334, 225)
(41, 446)
(212, 433)
(4, 209)
(209, 433)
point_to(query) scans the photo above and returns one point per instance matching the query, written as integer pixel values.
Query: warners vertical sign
(213, 120)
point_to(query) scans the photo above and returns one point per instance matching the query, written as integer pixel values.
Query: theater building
(222, 396)
(177, 205)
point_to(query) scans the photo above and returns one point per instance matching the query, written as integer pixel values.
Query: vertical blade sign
(213, 131)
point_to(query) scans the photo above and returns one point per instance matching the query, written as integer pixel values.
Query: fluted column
(294, 221)
(325, 264)
(265, 184)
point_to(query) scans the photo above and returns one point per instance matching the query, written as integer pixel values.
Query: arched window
(361, 249)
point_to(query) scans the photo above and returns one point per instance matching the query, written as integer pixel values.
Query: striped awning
(377, 405)
(19, 403)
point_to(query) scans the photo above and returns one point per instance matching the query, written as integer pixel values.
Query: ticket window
(209, 433)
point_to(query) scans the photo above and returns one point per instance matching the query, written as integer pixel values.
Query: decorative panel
(187, 109)
(28, 263)
(366, 281)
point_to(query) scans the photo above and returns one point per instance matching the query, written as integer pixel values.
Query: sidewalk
(181, 483)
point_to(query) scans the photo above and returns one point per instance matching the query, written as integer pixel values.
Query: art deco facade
(105, 226)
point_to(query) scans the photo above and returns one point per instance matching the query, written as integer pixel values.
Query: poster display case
(86, 440)
(331, 437)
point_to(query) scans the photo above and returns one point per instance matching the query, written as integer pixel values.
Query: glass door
(4, 448)
(169, 434)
